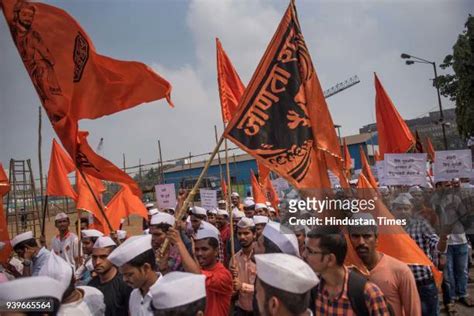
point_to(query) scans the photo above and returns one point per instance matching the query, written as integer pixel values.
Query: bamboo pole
(96, 200)
(218, 153)
(190, 197)
(40, 162)
(162, 173)
(229, 201)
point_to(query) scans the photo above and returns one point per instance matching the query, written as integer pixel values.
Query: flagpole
(191, 194)
(44, 199)
(229, 200)
(218, 153)
(96, 200)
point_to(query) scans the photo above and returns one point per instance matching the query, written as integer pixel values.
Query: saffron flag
(73, 81)
(231, 87)
(86, 201)
(99, 167)
(270, 193)
(224, 189)
(258, 194)
(263, 173)
(60, 165)
(366, 169)
(393, 133)
(277, 115)
(347, 158)
(430, 149)
(123, 204)
(4, 237)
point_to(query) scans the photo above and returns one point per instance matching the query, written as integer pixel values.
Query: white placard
(405, 169)
(451, 164)
(165, 196)
(208, 198)
(280, 185)
(333, 179)
(379, 166)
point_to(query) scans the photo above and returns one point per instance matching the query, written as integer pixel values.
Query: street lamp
(410, 61)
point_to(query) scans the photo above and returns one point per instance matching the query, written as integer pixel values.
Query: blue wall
(239, 170)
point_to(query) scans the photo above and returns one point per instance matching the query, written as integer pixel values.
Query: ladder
(22, 204)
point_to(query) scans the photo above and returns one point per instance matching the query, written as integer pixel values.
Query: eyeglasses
(312, 252)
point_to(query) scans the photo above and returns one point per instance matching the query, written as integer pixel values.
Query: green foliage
(460, 86)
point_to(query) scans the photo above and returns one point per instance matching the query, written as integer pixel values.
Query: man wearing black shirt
(109, 281)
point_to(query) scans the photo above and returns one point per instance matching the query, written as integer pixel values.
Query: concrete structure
(428, 126)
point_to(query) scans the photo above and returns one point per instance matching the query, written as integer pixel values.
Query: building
(429, 126)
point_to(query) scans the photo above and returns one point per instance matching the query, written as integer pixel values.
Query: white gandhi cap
(131, 248)
(60, 216)
(58, 269)
(88, 233)
(22, 237)
(162, 218)
(170, 293)
(284, 238)
(197, 210)
(104, 242)
(259, 219)
(29, 288)
(285, 272)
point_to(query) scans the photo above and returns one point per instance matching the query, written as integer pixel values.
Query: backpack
(355, 292)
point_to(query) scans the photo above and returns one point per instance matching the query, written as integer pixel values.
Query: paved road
(463, 311)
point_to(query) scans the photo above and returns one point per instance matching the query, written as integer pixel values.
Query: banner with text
(208, 198)
(450, 164)
(165, 196)
(404, 169)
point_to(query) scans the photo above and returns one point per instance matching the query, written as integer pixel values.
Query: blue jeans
(429, 299)
(456, 273)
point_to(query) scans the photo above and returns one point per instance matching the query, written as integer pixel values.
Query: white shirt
(68, 249)
(140, 305)
(78, 308)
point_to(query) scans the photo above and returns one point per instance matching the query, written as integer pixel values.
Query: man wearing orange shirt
(218, 278)
(392, 276)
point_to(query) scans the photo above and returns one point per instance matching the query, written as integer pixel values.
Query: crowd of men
(265, 268)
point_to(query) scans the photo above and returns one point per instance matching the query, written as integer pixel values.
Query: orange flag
(377, 156)
(270, 193)
(60, 165)
(393, 133)
(347, 157)
(366, 170)
(4, 237)
(72, 80)
(430, 149)
(263, 173)
(86, 202)
(123, 204)
(257, 192)
(224, 189)
(277, 115)
(99, 167)
(231, 87)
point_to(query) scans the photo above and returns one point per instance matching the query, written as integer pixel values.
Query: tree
(460, 86)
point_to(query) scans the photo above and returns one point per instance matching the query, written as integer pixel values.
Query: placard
(208, 198)
(450, 164)
(405, 169)
(165, 196)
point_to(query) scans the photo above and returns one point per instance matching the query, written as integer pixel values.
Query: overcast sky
(177, 38)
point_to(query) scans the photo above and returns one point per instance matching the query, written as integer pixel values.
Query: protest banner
(208, 198)
(165, 196)
(450, 164)
(405, 169)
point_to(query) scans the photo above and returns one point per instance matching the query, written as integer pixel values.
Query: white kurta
(68, 248)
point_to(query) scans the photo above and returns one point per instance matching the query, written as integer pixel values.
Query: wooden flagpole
(190, 197)
(96, 200)
(218, 153)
